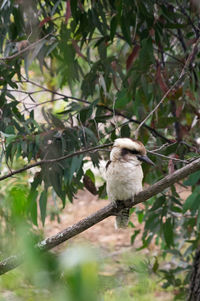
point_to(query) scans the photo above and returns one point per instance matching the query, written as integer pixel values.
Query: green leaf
(113, 27)
(29, 58)
(158, 203)
(155, 265)
(18, 200)
(146, 57)
(133, 237)
(32, 198)
(75, 165)
(125, 27)
(192, 179)
(140, 215)
(192, 202)
(43, 205)
(56, 182)
(90, 174)
(122, 99)
(125, 131)
(168, 232)
(85, 114)
(198, 219)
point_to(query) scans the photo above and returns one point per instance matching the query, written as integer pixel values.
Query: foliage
(117, 58)
(51, 277)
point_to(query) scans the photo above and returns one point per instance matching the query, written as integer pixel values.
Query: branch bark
(109, 210)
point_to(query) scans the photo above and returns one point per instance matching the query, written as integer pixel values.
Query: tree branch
(109, 210)
(11, 57)
(91, 149)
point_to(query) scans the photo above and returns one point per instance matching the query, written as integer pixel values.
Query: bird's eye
(134, 152)
(126, 151)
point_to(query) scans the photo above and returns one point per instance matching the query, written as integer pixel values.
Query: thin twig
(168, 158)
(163, 146)
(175, 85)
(54, 92)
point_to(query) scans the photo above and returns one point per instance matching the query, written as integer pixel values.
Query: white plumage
(124, 174)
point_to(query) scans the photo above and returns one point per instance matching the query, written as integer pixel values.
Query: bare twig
(54, 92)
(168, 158)
(109, 210)
(163, 146)
(175, 85)
(11, 57)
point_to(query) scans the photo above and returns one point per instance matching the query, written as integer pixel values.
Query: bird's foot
(128, 203)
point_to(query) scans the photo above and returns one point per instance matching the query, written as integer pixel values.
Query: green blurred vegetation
(79, 274)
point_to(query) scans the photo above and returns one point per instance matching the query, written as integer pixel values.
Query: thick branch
(53, 241)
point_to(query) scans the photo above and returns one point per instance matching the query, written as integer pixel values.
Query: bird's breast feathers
(124, 180)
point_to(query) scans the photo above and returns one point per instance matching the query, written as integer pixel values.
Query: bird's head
(129, 150)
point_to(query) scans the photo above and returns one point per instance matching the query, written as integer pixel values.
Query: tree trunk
(194, 290)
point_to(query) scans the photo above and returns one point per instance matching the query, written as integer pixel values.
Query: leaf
(133, 237)
(29, 58)
(90, 174)
(192, 179)
(140, 216)
(113, 27)
(160, 79)
(146, 57)
(56, 182)
(158, 203)
(75, 165)
(32, 198)
(155, 265)
(125, 131)
(85, 114)
(18, 201)
(89, 184)
(78, 50)
(192, 202)
(132, 57)
(43, 205)
(168, 232)
(124, 22)
(122, 99)
(68, 11)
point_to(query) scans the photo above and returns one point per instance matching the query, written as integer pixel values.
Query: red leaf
(160, 80)
(68, 11)
(179, 109)
(78, 51)
(132, 57)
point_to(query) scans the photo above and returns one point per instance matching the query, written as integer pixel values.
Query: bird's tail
(122, 218)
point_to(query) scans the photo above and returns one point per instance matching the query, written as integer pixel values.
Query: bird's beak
(145, 159)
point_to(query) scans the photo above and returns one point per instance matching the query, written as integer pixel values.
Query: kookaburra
(124, 174)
